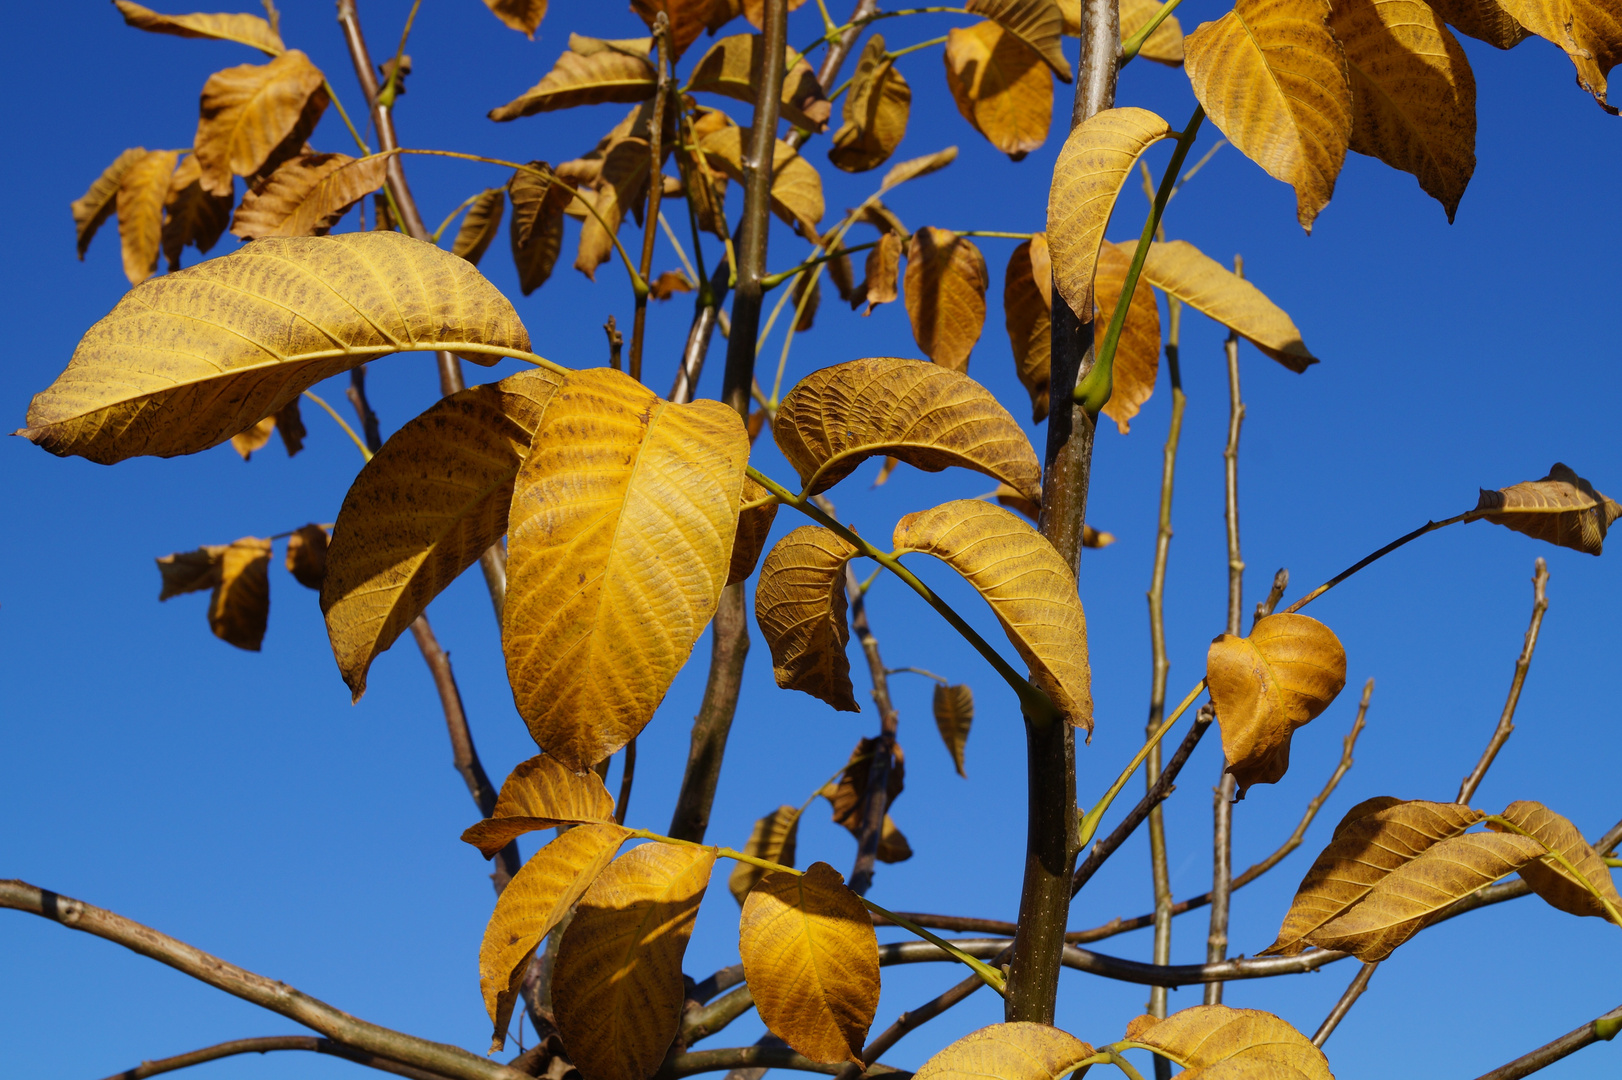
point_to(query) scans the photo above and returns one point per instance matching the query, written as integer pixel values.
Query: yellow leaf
(668, 284)
(306, 195)
(190, 571)
(540, 794)
(1038, 23)
(1001, 86)
(883, 269)
(1137, 353)
(732, 68)
(535, 901)
(773, 838)
(1016, 1051)
(622, 521)
(1375, 837)
(1547, 877)
(1562, 509)
(620, 188)
(480, 225)
(1273, 78)
(244, 29)
(248, 112)
(1025, 305)
(1590, 32)
(753, 528)
(946, 295)
(423, 510)
(1268, 684)
(926, 415)
(192, 215)
(617, 987)
(92, 209)
(536, 228)
(876, 108)
(1165, 45)
(796, 187)
(240, 604)
(885, 469)
(1182, 270)
(954, 713)
(1028, 585)
(847, 796)
(688, 18)
(812, 961)
(307, 556)
(522, 15)
(154, 377)
(1209, 1036)
(800, 606)
(1095, 161)
(141, 195)
(605, 75)
(287, 422)
(912, 169)
(1484, 20)
(1413, 94)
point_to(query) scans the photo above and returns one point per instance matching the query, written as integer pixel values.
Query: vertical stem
(363, 410)
(615, 341)
(650, 220)
(628, 773)
(1050, 839)
(1506, 720)
(834, 58)
(878, 769)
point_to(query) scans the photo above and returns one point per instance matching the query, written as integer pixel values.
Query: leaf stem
(1429, 526)
(359, 445)
(656, 130)
(1089, 822)
(386, 96)
(916, 671)
(911, 49)
(858, 24)
(1131, 46)
(450, 217)
(337, 103)
(1565, 864)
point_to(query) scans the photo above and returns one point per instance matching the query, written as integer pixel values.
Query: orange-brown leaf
(576, 79)
(243, 29)
(522, 15)
(250, 112)
(192, 215)
(732, 68)
(800, 606)
(1137, 353)
(141, 194)
(1590, 32)
(92, 209)
(540, 794)
(240, 605)
(946, 285)
(1001, 86)
(306, 195)
(307, 556)
(876, 109)
(1234, 1044)
(1554, 882)
(1562, 509)
(1025, 300)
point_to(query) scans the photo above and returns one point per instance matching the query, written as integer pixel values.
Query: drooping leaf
(141, 195)
(1213, 1036)
(1165, 45)
(773, 838)
(617, 987)
(1014, 1051)
(287, 422)
(1038, 23)
(732, 68)
(1590, 32)
(1001, 86)
(688, 18)
(1096, 160)
(946, 286)
(92, 209)
(753, 527)
(1484, 20)
(796, 187)
(190, 571)
(1273, 78)
(154, 377)
(912, 169)
(1547, 877)
(522, 15)
(1137, 353)
(928, 416)
(307, 555)
(1562, 509)
(251, 110)
(800, 606)
(811, 959)
(893, 846)
(1182, 270)
(883, 271)
(623, 515)
(192, 215)
(847, 796)
(306, 195)
(805, 308)
(535, 901)
(1025, 305)
(480, 225)
(604, 75)
(875, 111)
(244, 29)
(536, 228)
(954, 714)
(423, 510)
(1029, 586)
(239, 607)
(669, 283)
(620, 188)
(540, 794)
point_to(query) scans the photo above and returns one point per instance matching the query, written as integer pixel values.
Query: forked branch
(265, 1045)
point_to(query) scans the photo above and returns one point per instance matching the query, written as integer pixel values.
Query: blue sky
(239, 802)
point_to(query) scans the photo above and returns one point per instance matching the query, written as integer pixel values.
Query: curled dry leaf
(190, 571)
(522, 15)
(254, 114)
(1095, 161)
(480, 225)
(1027, 583)
(945, 285)
(1268, 684)
(1001, 86)
(847, 796)
(534, 901)
(1164, 46)
(954, 714)
(1590, 32)
(423, 510)
(1484, 20)
(1210, 1036)
(773, 838)
(1038, 23)
(576, 79)
(1562, 509)
(926, 415)
(619, 488)
(1182, 270)
(1137, 352)
(307, 556)
(796, 187)
(142, 191)
(617, 986)
(754, 525)
(191, 215)
(1273, 78)
(620, 186)
(536, 228)
(92, 209)
(1015, 1051)
(732, 68)
(1553, 882)
(1026, 305)
(244, 29)
(801, 608)
(239, 607)
(670, 283)
(811, 959)
(540, 794)
(883, 271)
(876, 109)
(306, 195)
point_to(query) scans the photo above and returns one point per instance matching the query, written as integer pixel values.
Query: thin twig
(1354, 991)
(265, 1045)
(615, 340)
(1506, 720)
(363, 408)
(1281, 581)
(1602, 1028)
(769, 1057)
(876, 803)
(650, 220)
(627, 775)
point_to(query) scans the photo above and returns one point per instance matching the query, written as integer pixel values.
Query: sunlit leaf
(536, 228)
(1025, 303)
(254, 439)
(1553, 882)
(1240, 1042)
(620, 188)
(306, 195)
(604, 75)
(92, 209)
(248, 112)
(1165, 45)
(480, 225)
(773, 838)
(753, 526)
(945, 284)
(670, 283)
(307, 555)
(1001, 86)
(1038, 23)
(1484, 20)
(688, 18)
(244, 29)
(1562, 509)
(522, 15)
(912, 169)
(883, 274)
(540, 794)
(1015, 1051)
(192, 215)
(875, 111)
(1137, 353)
(141, 194)
(796, 187)
(240, 605)
(732, 68)
(954, 714)
(1590, 32)
(1183, 271)
(800, 606)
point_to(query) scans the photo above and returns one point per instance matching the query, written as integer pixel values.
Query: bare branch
(883, 758)
(265, 1045)
(622, 805)
(1281, 581)
(1506, 721)
(1354, 991)
(1601, 1028)
(767, 1057)
(705, 1020)
(650, 220)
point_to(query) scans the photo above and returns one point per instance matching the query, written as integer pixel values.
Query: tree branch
(650, 219)
(265, 1045)
(883, 759)
(1602, 1028)
(1354, 991)
(1506, 720)
(761, 1057)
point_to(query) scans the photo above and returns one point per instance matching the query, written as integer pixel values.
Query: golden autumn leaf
(249, 30)
(142, 191)
(1001, 86)
(1180, 269)
(192, 215)
(911, 169)
(928, 416)
(255, 438)
(883, 272)
(1413, 93)
(249, 112)
(811, 959)
(239, 607)
(92, 209)
(1589, 31)
(1553, 882)
(617, 987)
(1092, 166)
(1376, 837)
(620, 187)
(534, 901)
(847, 796)
(732, 68)
(307, 555)
(626, 506)
(1268, 684)
(1029, 586)
(875, 111)
(480, 225)
(1210, 1036)
(800, 606)
(1026, 305)
(945, 284)
(536, 227)
(796, 186)
(152, 377)
(287, 422)
(1137, 353)
(1164, 46)
(1273, 78)
(688, 18)
(773, 838)
(423, 510)
(540, 794)
(954, 714)
(306, 195)
(893, 846)
(1484, 20)
(576, 79)
(190, 571)
(754, 525)
(1562, 509)
(1038, 23)
(1014, 1051)
(669, 283)
(522, 15)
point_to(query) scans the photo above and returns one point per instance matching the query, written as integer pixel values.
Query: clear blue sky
(239, 802)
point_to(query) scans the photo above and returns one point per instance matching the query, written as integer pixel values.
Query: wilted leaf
(250, 111)
(732, 68)
(811, 958)
(670, 283)
(883, 270)
(1095, 161)
(1209, 1036)
(190, 571)
(283, 314)
(847, 796)
(244, 29)
(875, 112)
(480, 225)
(912, 169)
(1273, 78)
(1016, 1051)
(1562, 509)
(893, 846)
(688, 18)
(617, 986)
(240, 604)
(1038, 23)
(536, 229)
(753, 525)
(540, 794)
(774, 838)
(1590, 32)
(1027, 583)
(1484, 20)
(141, 195)
(306, 195)
(1025, 305)
(307, 555)
(796, 187)
(535, 901)
(1547, 877)
(1413, 94)
(1268, 684)
(1137, 353)
(946, 295)
(800, 606)
(1165, 45)
(623, 515)
(192, 215)
(620, 188)
(522, 15)
(954, 713)
(92, 209)
(423, 510)
(926, 415)
(1001, 87)
(1183, 271)
(605, 75)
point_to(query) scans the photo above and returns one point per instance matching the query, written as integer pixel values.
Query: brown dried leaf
(1182, 270)
(847, 796)
(480, 225)
(191, 215)
(893, 846)
(1038, 23)
(1025, 307)
(883, 271)
(243, 29)
(1209, 1036)
(774, 839)
(1590, 32)
(1484, 20)
(1165, 45)
(1562, 509)
(522, 15)
(306, 195)
(1137, 353)
(249, 112)
(876, 108)
(670, 283)
(911, 169)
(307, 556)
(1547, 877)
(805, 308)
(753, 525)
(1013, 1051)
(92, 209)
(796, 186)
(954, 714)
(1001, 86)
(800, 606)
(142, 192)
(945, 295)
(540, 794)
(190, 571)
(621, 187)
(290, 426)
(732, 68)
(687, 18)
(536, 228)
(240, 605)
(576, 79)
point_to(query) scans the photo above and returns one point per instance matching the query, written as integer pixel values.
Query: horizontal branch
(1601, 1028)
(1114, 967)
(705, 1020)
(264, 1045)
(761, 1057)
